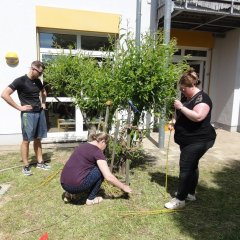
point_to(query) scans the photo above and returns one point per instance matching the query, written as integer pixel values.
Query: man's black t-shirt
(28, 91)
(187, 131)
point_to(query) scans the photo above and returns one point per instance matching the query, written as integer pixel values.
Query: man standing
(32, 96)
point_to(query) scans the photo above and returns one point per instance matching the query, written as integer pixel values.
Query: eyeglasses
(39, 72)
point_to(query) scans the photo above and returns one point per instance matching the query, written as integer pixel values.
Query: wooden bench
(66, 124)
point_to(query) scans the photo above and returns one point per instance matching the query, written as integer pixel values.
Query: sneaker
(26, 171)
(190, 197)
(96, 200)
(175, 204)
(43, 166)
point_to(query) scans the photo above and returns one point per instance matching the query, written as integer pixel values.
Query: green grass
(33, 205)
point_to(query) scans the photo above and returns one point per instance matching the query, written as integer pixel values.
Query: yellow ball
(11, 58)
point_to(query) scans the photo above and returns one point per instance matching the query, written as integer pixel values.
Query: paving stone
(4, 188)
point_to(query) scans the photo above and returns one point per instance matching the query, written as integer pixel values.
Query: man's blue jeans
(189, 173)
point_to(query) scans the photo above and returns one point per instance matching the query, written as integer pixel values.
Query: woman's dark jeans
(91, 182)
(189, 173)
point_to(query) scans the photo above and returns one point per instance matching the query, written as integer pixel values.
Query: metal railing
(218, 6)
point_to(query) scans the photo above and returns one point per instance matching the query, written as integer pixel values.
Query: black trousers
(189, 173)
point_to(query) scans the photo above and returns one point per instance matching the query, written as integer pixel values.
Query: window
(62, 115)
(196, 53)
(56, 40)
(48, 58)
(94, 43)
(178, 52)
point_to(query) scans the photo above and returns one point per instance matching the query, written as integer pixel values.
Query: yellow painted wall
(69, 19)
(193, 38)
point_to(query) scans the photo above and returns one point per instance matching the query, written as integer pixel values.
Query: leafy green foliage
(81, 78)
(146, 75)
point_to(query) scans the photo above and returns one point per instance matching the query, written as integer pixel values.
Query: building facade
(33, 30)
(207, 30)
(210, 32)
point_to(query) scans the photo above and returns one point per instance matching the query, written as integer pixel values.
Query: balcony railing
(218, 6)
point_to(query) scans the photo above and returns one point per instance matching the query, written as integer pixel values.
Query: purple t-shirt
(80, 163)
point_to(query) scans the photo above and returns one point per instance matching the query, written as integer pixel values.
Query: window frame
(79, 132)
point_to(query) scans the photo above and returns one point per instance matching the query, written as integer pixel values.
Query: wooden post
(108, 104)
(106, 120)
(128, 145)
(114, 144)
(99, 122)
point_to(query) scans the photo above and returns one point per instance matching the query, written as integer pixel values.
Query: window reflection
(95, 43)
(47, 58)
(56, 40)
(197, 53)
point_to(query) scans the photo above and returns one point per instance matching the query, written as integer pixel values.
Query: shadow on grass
(82, 197)
(216, 213)
(143, 161)
(46, 156)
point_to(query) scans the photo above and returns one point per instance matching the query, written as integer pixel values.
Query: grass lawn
(33, 206)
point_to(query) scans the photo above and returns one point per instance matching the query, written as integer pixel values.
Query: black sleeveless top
(187, 131)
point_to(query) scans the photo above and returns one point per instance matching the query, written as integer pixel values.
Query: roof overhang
(201, 15)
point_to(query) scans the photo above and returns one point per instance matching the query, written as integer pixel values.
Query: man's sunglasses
(39, 72)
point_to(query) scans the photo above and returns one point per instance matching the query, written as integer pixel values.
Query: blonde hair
(99, 137)
(189, 79)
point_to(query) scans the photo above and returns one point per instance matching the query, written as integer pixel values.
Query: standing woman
(193, 133)
(87, 168)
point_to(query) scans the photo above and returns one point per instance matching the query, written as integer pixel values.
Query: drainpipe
(167, 21)
(167, 28)
(138, 22)
(153, 16)
(153, 30)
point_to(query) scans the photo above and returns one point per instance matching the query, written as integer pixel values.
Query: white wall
(18, 34)
(236, 108)
(223, 80)
(238, 128)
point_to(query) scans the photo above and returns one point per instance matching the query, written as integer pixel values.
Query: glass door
(199, 67)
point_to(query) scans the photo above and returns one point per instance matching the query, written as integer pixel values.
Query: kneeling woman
(87, 168)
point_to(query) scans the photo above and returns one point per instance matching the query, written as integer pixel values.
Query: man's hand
(44, 105)
(25, 108)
